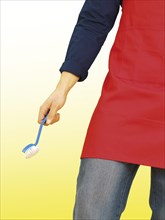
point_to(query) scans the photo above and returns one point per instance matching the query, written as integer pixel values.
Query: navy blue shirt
(95, 20)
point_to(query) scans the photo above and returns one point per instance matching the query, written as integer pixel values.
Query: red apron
(128, 122)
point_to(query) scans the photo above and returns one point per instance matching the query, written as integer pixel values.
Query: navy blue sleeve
(95, 20)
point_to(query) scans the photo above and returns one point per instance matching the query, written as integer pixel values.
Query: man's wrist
(66, 82)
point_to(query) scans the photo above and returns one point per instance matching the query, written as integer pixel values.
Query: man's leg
(157, 193)
(102, 189)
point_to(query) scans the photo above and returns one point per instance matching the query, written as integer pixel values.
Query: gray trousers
(103, 187)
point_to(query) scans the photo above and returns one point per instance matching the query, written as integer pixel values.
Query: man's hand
(57, 99)
(52, 104)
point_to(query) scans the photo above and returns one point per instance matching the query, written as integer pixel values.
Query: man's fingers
(42, 113)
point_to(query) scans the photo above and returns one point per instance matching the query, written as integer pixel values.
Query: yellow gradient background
(34, 40)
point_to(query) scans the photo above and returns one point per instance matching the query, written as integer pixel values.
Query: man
(127, 126)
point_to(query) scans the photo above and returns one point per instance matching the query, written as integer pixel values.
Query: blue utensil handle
(40, 129)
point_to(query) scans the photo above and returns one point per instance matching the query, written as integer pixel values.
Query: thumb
(55, 119)
(53, 116)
